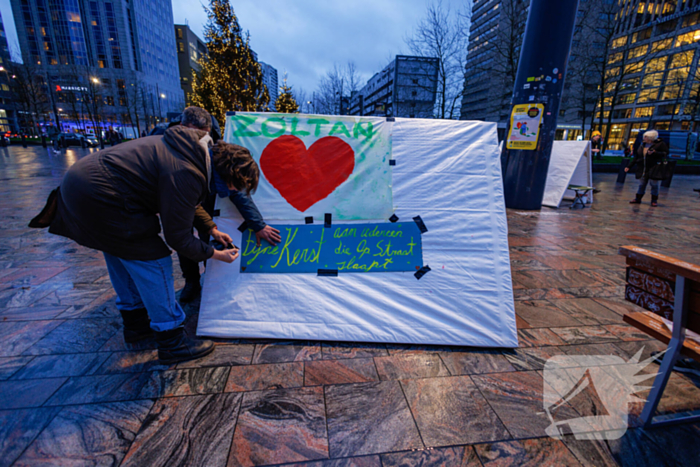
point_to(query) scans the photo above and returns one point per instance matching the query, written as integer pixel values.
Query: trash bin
(666, 182)
(621, 174)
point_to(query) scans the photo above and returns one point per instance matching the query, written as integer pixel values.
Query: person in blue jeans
(648, 159)
(115, 201)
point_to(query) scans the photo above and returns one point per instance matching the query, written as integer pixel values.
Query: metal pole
(535, 104)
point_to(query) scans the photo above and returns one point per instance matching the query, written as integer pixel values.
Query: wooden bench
(667, 287)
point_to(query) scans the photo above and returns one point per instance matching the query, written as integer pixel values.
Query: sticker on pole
(525, 126)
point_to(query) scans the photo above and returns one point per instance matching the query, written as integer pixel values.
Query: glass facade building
(8, 120)
(123, 48)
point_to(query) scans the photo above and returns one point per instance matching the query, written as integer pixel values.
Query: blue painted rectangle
(346, 247)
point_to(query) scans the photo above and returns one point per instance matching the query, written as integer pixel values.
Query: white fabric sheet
(449, 173)
(570, 164)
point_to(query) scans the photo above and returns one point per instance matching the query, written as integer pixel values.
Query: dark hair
(236, 166)
(196, 117)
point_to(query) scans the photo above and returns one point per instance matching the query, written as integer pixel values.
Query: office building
(406, 87)
(270, 80)
(654, 64)
(120, 54)
(8, 120)
(190, 49)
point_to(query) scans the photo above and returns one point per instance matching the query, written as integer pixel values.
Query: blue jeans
(643, 186)
(149, 285)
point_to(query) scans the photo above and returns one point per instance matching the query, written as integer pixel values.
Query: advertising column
(535, 104)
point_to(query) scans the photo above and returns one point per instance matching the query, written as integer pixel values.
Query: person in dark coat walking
(648, 160)
(112, 201)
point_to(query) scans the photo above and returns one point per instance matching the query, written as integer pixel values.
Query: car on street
(76, 139)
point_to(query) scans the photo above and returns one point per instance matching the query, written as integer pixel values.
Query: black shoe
(190, 291)
(174, 346)
(137, 325)
(696, 189)
(637, 199)
(654, 201)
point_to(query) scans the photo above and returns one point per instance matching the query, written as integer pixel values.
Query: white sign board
(570, 164)
(448, 173)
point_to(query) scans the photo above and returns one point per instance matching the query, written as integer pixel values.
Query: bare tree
(327, 97)
(29, 88)
(443, 34)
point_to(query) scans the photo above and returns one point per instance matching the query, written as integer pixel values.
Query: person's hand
(627, 169)
(268, 233)
(227, 256)
(220, 237)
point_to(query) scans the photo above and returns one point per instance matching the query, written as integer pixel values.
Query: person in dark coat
(648, 161)
(112, 201)
(245, 205)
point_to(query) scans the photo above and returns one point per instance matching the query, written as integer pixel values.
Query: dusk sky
(306, 37)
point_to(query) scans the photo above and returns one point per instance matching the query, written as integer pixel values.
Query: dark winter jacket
(650, 166)
(110, 200)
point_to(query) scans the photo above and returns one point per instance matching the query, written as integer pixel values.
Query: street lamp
(95, 80)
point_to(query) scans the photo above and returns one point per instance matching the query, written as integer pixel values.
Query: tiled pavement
(72, 393)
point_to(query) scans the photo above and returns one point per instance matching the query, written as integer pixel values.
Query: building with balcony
(406, 87)
(104, 62)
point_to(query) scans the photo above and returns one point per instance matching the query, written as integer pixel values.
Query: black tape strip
(309, 220)
(216, 213)
(390, 119)
(420, 224)
(230, 112)
(392, 161)
(327, 217)
(328, 272)
(422, 271)
(243, 226)
(393, 218)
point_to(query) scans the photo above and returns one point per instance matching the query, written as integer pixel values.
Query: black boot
(174, 346)
(190, 291)
(137, 325)
(654, 200)
(637, 199)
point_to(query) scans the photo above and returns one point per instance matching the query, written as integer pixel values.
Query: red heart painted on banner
(305, 177)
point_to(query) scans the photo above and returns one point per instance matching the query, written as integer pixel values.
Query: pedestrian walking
(649, 159)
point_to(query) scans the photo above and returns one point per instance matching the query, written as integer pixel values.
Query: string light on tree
(285, 102)
(230, 78)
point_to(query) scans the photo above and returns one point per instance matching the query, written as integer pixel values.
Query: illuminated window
(690, 20)
(682, 59)
(671, 92)
(678, 75)
(688, 38)
(614, 58)
(634, 67)
(652, 80)
(658, 64)
(647, 95)
(643, 112)
(612, 72)
(661, 45)
(637, 51)
(619, 42)
(641, 35)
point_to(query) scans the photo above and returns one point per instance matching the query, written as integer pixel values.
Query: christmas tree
(230, 77)
(285, 102)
